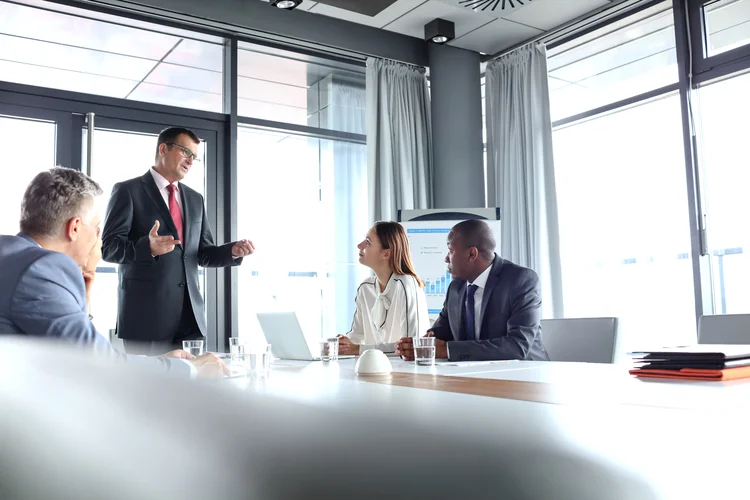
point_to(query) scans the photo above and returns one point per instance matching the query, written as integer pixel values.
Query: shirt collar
(29, 239)
(481, 280)
(160, 181)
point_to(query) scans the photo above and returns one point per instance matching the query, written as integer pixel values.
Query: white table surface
(678, 436)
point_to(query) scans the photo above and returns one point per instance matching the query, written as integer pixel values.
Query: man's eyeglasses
(185, 151)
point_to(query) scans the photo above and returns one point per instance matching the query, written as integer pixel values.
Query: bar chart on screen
(428, 247)
(437, 286)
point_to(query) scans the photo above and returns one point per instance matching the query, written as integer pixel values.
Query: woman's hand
(347, 347)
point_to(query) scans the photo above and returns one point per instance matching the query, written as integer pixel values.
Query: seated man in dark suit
(43, 292)
(493, 306)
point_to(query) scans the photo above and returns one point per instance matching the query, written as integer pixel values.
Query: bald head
(471, 249)
(474, 233)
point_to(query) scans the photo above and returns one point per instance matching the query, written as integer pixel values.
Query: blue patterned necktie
(470, 330)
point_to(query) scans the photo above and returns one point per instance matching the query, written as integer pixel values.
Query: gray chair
(587, 340)
(724, 329)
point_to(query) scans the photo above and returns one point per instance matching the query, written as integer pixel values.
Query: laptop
(283, 331)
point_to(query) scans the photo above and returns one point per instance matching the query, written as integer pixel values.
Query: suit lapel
(153, 192)
(492, 280)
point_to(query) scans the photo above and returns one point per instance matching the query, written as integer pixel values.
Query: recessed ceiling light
(439, 31)
(286, 4)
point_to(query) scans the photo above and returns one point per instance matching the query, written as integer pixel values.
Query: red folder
(695, 373)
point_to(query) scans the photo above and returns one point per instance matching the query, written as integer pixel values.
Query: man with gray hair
(47, 269)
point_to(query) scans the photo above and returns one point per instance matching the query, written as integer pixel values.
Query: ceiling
(478, 26)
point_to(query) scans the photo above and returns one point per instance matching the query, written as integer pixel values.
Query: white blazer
(381, 319)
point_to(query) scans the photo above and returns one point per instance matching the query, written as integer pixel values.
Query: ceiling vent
(491, 6)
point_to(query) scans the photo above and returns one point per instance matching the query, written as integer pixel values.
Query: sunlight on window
(33, 151)
(624, 230)
(303, 202)
(723, 108)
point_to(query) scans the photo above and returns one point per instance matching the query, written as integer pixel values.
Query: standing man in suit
(47, 270)
(493, 306)
(157, 230)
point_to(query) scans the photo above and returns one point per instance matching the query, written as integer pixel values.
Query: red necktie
(174, 209)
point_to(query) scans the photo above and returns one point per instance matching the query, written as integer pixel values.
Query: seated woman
(391, 304)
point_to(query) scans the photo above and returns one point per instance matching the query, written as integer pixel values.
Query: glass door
(122, 150)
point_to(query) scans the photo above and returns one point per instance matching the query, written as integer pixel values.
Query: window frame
(707, 67)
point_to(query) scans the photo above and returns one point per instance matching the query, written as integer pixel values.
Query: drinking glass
(194, 347)
(259, 361)
(424, 351)
(329, 349)
(236, 348)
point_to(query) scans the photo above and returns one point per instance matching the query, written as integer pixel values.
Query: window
(33, 151)
(621, 179)
(73, 51)
(724, 107)
(727, 25)
(625, 59)
(286, 87)
(624, 229)
(303, 201)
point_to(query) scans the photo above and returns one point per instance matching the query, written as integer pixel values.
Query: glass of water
(236, 348)
(329, 349)
(259, 361)
(424, 351)
(194, 347)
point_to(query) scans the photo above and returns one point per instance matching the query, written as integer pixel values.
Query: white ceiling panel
(496, 36)
(487, 30)
(388, 15)
(549, 14)
(412, 24)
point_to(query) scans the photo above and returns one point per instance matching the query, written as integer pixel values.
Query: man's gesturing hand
(160, 244)
(243, 248)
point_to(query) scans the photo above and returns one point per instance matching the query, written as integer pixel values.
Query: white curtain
(399, 139)
(350, 212)
(519, 153)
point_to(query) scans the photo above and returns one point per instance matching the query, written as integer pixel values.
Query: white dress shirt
(383, 318)
(480, 282)
(161, 184)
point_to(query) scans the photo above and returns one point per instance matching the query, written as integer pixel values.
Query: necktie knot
(472, 289)
(171, 188)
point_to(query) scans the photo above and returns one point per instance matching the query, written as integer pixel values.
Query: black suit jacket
(511, 312)
(152, 289)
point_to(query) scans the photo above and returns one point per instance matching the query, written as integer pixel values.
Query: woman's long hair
(393, 236)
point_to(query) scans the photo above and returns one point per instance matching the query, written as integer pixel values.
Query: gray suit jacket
(511, 311)
(42, 294)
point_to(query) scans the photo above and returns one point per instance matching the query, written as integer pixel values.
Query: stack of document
(698, 362)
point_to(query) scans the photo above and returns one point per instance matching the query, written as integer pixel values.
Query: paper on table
(473, 363)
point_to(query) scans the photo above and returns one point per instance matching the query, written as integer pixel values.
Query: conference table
(681, 439)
